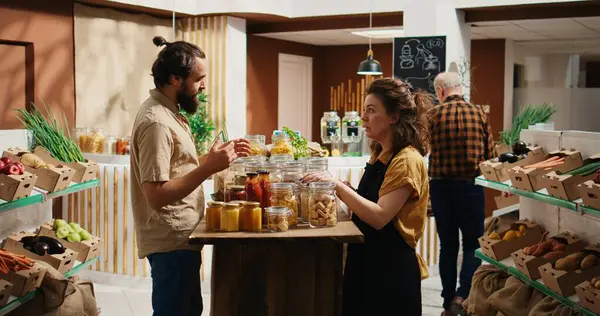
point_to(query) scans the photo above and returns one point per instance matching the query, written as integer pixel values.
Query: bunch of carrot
(11, 262)
(547, 164)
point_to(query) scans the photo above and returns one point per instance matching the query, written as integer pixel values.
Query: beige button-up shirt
(162, 148)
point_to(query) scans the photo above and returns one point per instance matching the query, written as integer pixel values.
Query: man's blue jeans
(176, 283)
(457, 205)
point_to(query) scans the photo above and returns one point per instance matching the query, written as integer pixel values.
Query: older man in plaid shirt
(461, 139)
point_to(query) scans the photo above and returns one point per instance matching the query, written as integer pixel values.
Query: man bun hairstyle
(175, 59)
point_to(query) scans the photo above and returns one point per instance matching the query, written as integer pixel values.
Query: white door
(295, 93)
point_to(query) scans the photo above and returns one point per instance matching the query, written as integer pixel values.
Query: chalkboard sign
(417, 60)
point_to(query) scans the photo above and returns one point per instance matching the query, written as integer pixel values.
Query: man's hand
(220, 156)
(242, 147)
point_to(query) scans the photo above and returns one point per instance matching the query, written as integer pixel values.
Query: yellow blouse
(408, 167)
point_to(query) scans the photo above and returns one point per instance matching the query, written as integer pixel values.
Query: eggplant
(41, 248)
(508, 157)
(519, 148)
(55, 247)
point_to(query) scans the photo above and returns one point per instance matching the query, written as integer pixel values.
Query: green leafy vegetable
(299, 143)
(528, 115)
(201, 124)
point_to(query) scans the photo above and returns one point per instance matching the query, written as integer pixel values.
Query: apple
(6, 160)
(76, 227)
(21, 167)
(63, 232)
(58, 223)
(85, 235)
(2, 165)
(74, 237)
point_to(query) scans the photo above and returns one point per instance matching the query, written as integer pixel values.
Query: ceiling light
(389, 33)
(369, 66)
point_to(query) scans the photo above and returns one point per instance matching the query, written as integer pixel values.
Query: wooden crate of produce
(494, 170)
(25, 281)
(590, 193)
(531, 179)
(564, 186)
(62, 262)
(564, 274)
(5, 291)
(529, 259)
(501, 245)
(14, 187)
(589, 295)
(49, 177)
(84, 171)
(85, 249)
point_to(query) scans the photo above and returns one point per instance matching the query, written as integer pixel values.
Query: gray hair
(447, 80)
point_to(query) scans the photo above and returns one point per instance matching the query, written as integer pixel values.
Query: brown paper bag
(486, 280)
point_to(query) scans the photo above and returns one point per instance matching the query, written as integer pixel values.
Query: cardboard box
(502, 148)
(493, 170)
(564, 186)
(590, 194)
(506, 201)
(62, 262)
(55, 178)
(532, 179)
(25, 281)
(564, 282)
(5, 291)
(589, 297)
(86, 249)
(499, 249)
(84, 171)
(16, 187)
(529, 265)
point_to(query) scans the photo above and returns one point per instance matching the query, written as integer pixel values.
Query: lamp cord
(370, 20)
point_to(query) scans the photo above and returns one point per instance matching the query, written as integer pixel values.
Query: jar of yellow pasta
(282, 194)
(281, 144)
(97, 141)
(213, 216)
(230, 217)
(258, 146)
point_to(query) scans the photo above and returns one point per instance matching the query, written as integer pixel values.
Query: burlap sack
(60, 297)
(516, 298)
(501, 223)
(486, 280)
(551, 307)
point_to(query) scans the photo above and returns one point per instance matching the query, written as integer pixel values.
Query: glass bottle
(351, 124)
(110, 145)
(281, 144)
(279, 219)
(264, 179)
(282, 194)
(123, 146)
(322, 204)
(235, 193)
(258, 145)
(330, 127)
(213, 215)
(253, 189)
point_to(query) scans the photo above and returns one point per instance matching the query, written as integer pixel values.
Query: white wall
(235, 86)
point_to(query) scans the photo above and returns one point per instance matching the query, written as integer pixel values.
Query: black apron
(382, 275)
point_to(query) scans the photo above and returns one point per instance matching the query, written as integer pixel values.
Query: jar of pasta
(281, 144)
(293, 172)
(213, 216)
(252, 214)
(258, 146)
(318, 166)
(322, 207)
(264, 179)
(236, 193)
(230, 216)
(278, 219)
(97, 141)
(84, 135)
(282, 194)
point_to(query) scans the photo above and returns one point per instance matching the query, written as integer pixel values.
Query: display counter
(298, 272)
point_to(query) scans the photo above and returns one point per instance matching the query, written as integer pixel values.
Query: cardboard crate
(590, 194)
(5, 291)
(62, 262)
(564, 186)
(16, 187)
(84, 171)
(498, 171)
(499, 249)
(502, 148)
(529, 265)
(564, 282)
(589, 297)
(51, 179)
(532, 179)
(25, 281)
(506, 201)
(86, 249)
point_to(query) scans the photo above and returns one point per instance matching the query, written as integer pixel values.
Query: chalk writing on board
(418, 60)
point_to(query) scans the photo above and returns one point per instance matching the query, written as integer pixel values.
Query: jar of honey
(230, 217)
(213, 215)
(252, 217)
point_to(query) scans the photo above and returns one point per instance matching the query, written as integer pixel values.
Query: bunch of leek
(51, 133)
(528, 115)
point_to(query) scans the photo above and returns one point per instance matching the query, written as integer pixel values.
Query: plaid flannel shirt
(461, 138)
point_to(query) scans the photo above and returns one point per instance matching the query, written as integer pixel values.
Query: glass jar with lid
(213, 215)
(110, 145)
(254, 192)
(279, 219)
(282, 194)
(252, 213)
(230, 214)
(275, 171)
(330, 127)
(281, 144)
(281, 159)
(264, 179)
(351, 124)
(235, 174)
(236, 193)
(97, 141)
(322, 204)
(84, 136)
(123, 146)
(258, 145)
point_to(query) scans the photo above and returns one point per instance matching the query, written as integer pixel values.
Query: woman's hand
(316, 177)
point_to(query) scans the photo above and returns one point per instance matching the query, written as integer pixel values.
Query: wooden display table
(298, 272)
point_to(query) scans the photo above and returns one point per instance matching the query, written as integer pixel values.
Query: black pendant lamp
(369, 66)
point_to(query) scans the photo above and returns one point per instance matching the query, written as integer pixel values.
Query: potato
(571, 262)
(543, 248)
(589, 261)
(554, 254)
(597, 285)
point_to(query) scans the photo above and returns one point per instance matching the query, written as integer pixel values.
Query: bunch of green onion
(529, 115)
(51, 133)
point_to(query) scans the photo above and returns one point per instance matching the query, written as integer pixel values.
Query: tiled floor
(123, 301)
